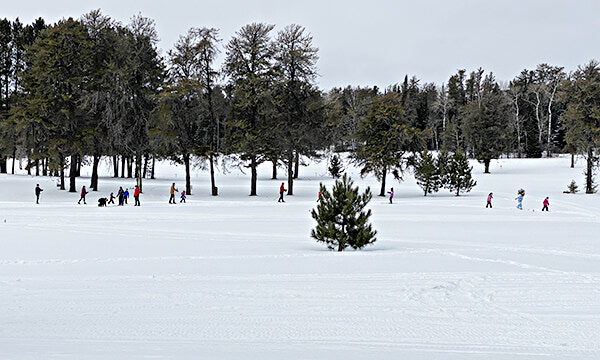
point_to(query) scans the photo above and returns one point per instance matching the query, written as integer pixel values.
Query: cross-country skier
(545, 203)
(120, 194)
(489, 201)
(84, 192)
(136, 195)
(38, 191)
(282, 189)
(172, 198)
(182, 197)
(520, 201)
(112, 199)
(391, 192)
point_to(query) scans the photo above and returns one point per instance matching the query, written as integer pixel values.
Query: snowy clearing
(239, 277)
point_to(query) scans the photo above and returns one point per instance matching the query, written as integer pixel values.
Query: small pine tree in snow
(459, 178)
(442, 164)
(572, 188)
(341, 217)
(426, 173)
(335, 168)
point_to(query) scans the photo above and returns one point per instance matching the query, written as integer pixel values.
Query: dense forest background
(84, 89)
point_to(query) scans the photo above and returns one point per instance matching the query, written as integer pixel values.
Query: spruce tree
(459, 178)
(335, 168)
(427, 173)
(442, 163)
(341, 217)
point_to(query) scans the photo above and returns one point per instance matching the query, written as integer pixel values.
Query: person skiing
(84, 192)
(125, 196)
(182, 197)
(489, 201)
(391, 192)
(282, 189)
(136, 195)
(38, 191)
(172, 198)
(520, 201)
(120, 194)
(545, 203)
(112, 199)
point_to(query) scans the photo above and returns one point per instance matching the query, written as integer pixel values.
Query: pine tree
(442, 163)
(460, 174)
(335, 168)
(572, 188)
(341, 219)
(427, 173)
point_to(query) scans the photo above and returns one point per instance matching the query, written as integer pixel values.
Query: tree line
(80, 90)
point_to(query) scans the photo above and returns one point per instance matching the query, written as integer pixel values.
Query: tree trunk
(188, 182)
(152, 171)
(94, 182)
(589, 176)
(254, 177)
(14, 154)
(274, 176)
(138, 169)
(45, 167)
(382, 192)
(62, 172)
(572, 161)
(486, 163)
(122, 166)
(115, 166)
(129, 167)
(73, 174)
(3, 165)
(37, 167)
(213, 186)
(78, 168)
(290, 171)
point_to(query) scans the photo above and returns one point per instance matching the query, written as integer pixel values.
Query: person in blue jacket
(125, 196)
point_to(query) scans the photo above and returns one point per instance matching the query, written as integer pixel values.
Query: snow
(234, 276)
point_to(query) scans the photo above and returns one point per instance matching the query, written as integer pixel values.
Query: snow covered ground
(238, 277)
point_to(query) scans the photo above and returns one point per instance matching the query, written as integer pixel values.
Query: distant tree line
(80, 90)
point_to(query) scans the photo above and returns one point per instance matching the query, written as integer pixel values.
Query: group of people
(519, 198)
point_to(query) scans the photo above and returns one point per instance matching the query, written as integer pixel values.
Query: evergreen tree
(582, 117)
(459, 174)
(295, 64)
(427, 173)
(249, 66)
(442, 164)
(385, 138)
(336, 168)
(483, 119)
(342, 221)
(572, 188)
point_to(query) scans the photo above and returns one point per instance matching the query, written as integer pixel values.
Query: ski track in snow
(238, 277)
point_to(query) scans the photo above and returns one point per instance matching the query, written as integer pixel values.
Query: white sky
(378, 42)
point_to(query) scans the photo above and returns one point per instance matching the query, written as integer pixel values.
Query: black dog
(102, 202)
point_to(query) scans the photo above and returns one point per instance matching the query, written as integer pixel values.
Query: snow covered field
(238, 277)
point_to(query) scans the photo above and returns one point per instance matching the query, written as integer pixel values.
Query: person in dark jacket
(282, 189)
(84, 192)
(120, 194)
(182, 197)
(38, 191)
(112, 199)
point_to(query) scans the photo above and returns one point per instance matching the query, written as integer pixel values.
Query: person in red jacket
(545, 203)
(83, 194)
(136, 195)
(282, 189)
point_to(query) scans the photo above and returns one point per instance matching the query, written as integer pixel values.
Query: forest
(82, 90)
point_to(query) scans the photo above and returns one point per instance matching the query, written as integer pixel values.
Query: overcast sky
(375, 42)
